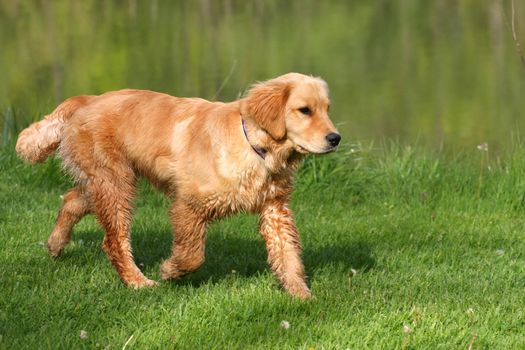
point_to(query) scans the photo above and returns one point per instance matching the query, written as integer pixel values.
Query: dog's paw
(143, 283)
(303, 294)
(55, 248)
(299, 290)
(169, 271)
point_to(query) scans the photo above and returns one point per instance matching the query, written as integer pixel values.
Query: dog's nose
(333, 139)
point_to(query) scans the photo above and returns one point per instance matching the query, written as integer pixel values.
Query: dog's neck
(259, 150)
(275, 154)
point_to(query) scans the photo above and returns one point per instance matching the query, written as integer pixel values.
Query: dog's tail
(40, 139)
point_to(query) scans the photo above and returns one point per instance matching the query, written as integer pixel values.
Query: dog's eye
(305, 111)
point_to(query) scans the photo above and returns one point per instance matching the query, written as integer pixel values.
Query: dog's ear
(266, 104)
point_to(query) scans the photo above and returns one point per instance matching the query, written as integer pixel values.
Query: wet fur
(196, 152)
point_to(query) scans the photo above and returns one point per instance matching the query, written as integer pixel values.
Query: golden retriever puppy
(212, 159)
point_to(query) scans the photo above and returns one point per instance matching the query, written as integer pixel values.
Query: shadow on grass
(357, 255)
(225, 255)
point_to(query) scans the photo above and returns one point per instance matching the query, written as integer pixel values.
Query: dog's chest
(254, 187)
(245, 192)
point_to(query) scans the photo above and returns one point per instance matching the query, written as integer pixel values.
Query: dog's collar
(259, 150)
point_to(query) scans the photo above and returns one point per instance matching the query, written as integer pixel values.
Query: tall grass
(415, 176)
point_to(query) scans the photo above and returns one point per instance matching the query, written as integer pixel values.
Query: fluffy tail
(42, 138)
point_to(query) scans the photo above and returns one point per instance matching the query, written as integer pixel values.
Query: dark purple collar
(259, 150)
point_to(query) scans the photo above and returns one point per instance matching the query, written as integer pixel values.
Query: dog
(212, 159)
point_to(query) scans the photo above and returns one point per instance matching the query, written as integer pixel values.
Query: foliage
(441, 71)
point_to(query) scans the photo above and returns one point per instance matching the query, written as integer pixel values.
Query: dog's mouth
(329, 150)
(304, 150)
(301, 149)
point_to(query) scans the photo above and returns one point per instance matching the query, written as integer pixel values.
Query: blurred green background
(439, 73)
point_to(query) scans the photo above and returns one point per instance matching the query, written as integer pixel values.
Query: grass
(404, 248)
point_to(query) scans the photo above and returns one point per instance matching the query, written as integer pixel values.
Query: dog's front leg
(284, 248)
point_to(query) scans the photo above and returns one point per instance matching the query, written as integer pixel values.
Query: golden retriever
(212, 159)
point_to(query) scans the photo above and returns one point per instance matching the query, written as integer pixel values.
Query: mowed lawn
(404, 248)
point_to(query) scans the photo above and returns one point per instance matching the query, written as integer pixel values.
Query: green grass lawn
(403, 249)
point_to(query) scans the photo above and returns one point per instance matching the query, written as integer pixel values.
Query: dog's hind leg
(188, 244)
(75, 206)
(112, 192)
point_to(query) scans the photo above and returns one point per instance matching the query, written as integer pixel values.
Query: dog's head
(294, 107)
